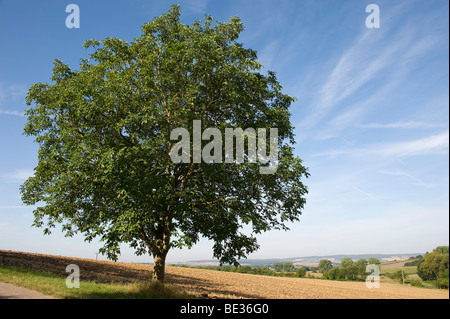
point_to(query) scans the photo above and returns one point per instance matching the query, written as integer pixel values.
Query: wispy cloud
(413, 179)
(17, 91)
(268, 54)
(399, 125)
(2, 95)
(195, 6)
(368, 195)
(435, 144)
(6, 112)
(12, 93)
(386, 55)
(341, 122)
(18, 176)
(352, 71)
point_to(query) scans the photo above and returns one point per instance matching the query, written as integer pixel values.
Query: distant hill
(303, 261)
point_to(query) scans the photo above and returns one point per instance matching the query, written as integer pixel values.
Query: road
(8, 291)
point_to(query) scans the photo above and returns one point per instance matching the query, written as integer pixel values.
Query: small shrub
(443, 283)
(226, 268)
(416, 282)
(244, 269)
(300, 272)
(443, 280)
(397, 276)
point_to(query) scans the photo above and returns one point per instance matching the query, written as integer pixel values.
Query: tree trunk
(159, 265)
(157, 239)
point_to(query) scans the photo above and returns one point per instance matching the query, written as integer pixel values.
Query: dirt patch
(202, 283)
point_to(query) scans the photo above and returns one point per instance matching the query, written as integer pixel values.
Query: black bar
(222, 308)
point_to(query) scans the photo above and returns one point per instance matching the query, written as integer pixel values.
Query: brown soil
(215, 284)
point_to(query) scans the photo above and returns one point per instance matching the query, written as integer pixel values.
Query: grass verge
(53, 285)
(409, 270)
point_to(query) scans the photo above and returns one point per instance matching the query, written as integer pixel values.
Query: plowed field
(215, 284)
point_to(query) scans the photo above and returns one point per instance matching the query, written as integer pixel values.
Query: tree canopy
(373, 261)
(434, 264)
(346, 262)
(104, 167)
(324, 265)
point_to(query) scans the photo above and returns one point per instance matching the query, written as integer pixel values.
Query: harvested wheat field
(215, 284)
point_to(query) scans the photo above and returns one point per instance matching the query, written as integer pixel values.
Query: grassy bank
(51, 284)
(408, 270)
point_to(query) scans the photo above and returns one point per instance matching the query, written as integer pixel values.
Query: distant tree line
(286, 267)
(279, 269)
(347, 270)
(433, 266)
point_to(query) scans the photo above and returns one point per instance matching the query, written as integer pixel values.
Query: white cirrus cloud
(413, 179)
(400, 125)
(15, 113)
(18, 176)
(435, 144)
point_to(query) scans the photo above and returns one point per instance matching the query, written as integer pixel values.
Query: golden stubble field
(202, 283)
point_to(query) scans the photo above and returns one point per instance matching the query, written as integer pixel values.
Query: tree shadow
(108, 272)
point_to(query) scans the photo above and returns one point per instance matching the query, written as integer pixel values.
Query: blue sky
(372, 123)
